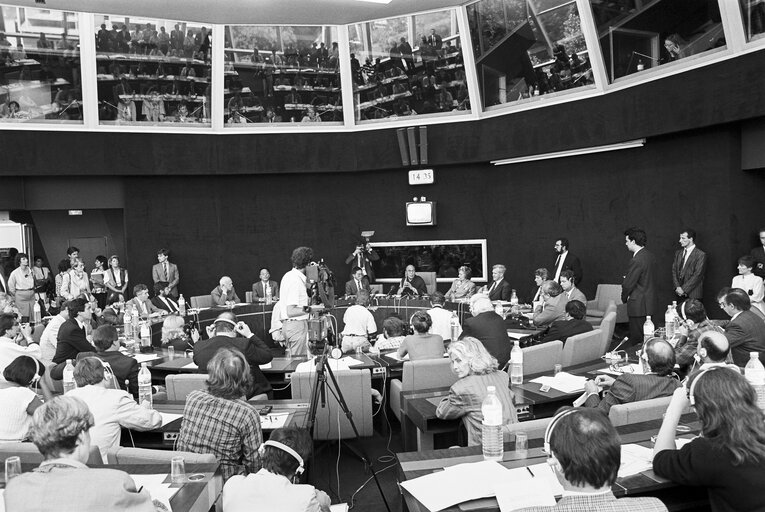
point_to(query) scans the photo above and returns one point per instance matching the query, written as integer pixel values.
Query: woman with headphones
(18, 401)
(728, 458)
(275, 486)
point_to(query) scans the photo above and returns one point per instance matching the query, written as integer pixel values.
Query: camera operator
(295, 304)
(362, 257)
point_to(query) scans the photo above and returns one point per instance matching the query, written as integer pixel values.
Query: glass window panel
(40, 74)
(528, 48)
(394, 77)
(638, 35)
(282, 74)
(753, 12)
(152, 72)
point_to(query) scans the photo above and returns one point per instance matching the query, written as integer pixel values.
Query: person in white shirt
(441, 318)
(49, 338)
(749, 282)
(15, 341)
(359, 324)
(112, 408)
(17, 400)
(294, 299)
(277, 315)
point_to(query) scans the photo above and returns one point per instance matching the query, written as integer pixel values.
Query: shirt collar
(80, 323)
(596, 493)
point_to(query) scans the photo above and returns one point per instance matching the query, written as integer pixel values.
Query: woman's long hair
(730, 418)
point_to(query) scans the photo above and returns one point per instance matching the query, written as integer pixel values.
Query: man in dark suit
(226, 332)
(564, 260)
(71, 336)
(259, 288)
(553, 306)
(638, 287)
(162, 299)
(435, 40)
(499, 288)
(363, 257)
(629, 387)
(758, 253)
(745, 331)
(166, 271)
(358, 282)
(411, 285)
(573, 324)
(489, 328)
(688, 268)
(112, 313)
(124, 368)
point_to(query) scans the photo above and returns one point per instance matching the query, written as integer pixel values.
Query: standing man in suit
(362, 257)
(162, 299)
(499, 288)
(488, 327)
(688, 268)
(265, 283)
(166, 271)
(434, 39)
(745, 331)
(358, 282)
(564, 260)
(758, 253)
(638, 287)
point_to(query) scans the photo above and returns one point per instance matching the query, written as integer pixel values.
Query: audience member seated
(713, 350)
(571, 325)
(227, 333)
(275, 486)
(745, 330)
(553, 305)
(462, 287)
(142, 303)
(15, 341)
(18, 401)
(540, 276)
(422, 344)
(124, 368)
(174, 334)
(584, 452)
(357, 282)
(61, 431)
(162, 299)
(113, 313)
(218, 420)
(411, 285)
(441, 318)
(359, 324)
(499, 289)
(49, 338)
(749, 282)
(476, 370)
(694, 324)
(728, 458)
(568, 283)
(224, 293)
(71, 336)
(489, 328)
(394, 333)
(112, 409)
(259, 289)
(656, 381)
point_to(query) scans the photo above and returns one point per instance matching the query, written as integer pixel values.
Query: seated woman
(17, 401)
(275, 486)
(61, 431)
(422, 345)
(476, 370)
(174, 335)
(462, 287)
(728, 458)
(749, 282)
(394, 332)
(540, 276)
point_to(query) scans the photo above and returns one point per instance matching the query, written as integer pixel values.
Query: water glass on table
(12, 468)
(177, 470)
(522, 444)
(171, 352)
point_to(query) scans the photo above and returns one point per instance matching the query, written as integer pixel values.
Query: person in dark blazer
(499, 289)
(573, 324)
(71, 336)
(362, 257)
(553, 306)
(162, 299)
(758, 253)
(489, 328)
(166, 271)
(564, 260)
(745, 331)
(688, 268)
(435, 40)
(259, 288)
(638, 287)
(124, 368)
(358, 282)
(112, 314)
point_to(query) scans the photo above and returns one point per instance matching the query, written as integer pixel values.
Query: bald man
(713, 349)
(224, 292)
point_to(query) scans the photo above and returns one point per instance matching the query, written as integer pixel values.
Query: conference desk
(415, 464)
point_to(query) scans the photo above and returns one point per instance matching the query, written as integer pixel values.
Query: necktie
(557, 261)
(164, 269)
(358, 286)
(685, 255)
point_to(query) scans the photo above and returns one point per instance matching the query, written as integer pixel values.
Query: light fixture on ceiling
(573, 152)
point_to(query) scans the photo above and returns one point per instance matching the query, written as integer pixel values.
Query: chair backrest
(29, 453)
(248, 297)
(430, 281)
(201, 301)
(427, 373)
(606, 293)
(542, 357)
(645, 410)
(376, 288)
(356, 387)
(535, 429)
(582, 348)
(607, 328)
(124, 455)
(180, 385)
(38, 332)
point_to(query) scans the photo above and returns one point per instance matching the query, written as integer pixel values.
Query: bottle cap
(752, 355)
(491, 389)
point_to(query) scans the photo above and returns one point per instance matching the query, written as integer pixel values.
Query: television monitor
(421, 213)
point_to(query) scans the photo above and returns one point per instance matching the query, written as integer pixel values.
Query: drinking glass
(522, 444)
(177, 470)
(12, 468)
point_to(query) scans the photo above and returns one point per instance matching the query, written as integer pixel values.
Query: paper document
(169, 417)
(563, 382)
(340, 507)
(523, 490)
(544, 472)
(635, 459)
(630, 368)
(266, 366)
(516, 335)
(275, 420)
(191, 365)
(395, 356)
(142, 358)
(159, 490)
(351, 361)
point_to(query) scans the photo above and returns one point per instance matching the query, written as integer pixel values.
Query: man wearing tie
(434, 39)
(71, 336)
(363, 257)
(141, 302)
(688, 268)
(162, 297)
(260, 288)
(499, 288)
(166, 271)
(564, 260)
(638, 287)
(358, 282)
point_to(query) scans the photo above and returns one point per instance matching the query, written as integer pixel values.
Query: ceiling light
(572, 152)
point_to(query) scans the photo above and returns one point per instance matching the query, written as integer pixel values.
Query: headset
(225, 321)
(548, 432)
(284, 447)
(109, 374)
(36, 377)
(691, 398)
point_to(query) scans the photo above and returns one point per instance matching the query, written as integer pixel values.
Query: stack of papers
(191, 365)
(142, 358)
(394, 355)
(159, 490)
(351, 361)
(169, 417)
(630, 368)
(563, 382)
(635, 459)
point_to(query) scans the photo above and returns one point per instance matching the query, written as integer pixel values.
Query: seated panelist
(358, 282)
(224, 292)
(411, 285)
(260, 289)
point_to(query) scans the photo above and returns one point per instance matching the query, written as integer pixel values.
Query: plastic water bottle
(514, 299)
(669, 323)
(144, 387)
(182, 305)
(640, 65)
(37, 317)
(755, 374)
(145, 337)
(69, 383)
(136, 317)
(648, 329)
(454, 323)
(516, 363)
(491, 431)
(269, 295)
(127, 318)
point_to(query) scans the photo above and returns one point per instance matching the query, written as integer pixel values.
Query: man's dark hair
(552, 288)
(112, 299)
(22, 370)
(747, 260)
(738, 299)
(7, 321)
(355, 269)
(722, 293)
(564, 243)
(569, 274)
(691, 233)
(437, 298)
(421, 322)
(104, 337)
(301, 257)
(637, 235)
(262, 269)
(139, 288)
(278, 461)
(693, 309)
(576, 309)
(393, 326)
(159, 286)
(661, 356)
(586, 445)
(71, 250)
(163, 252)
(63, 266)
(76, 306)
(716, 345)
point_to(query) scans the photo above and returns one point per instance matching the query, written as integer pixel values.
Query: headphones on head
(284, 447)
(691, 398)
(551, 426)
(36, 377)
(225, 321)
(682, 310)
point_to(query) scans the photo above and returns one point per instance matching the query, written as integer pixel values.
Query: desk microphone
(390, 293)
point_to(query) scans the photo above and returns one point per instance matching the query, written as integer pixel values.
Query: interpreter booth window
(408, 66)
(753, 12)
(528, 48)
(40, 77)
(282, 74)
(153, 72)
(638, 35)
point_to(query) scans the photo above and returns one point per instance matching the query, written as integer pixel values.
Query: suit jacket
(71, 341)
(601, 503)
(630, 387)
(571, 263)
(503, 291)
(758, 253)
(219, 298)
(255, 351)
(160, 304)
(367, 258)
(490, 329)
(110, 317)
(564, 329)
(173, 277)
(553, 309)
(125, 368)
(576, 294)
(352, 289)
(746, 333)
(150, 308)
(690, 277)
(638, 287)
(258, 291)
